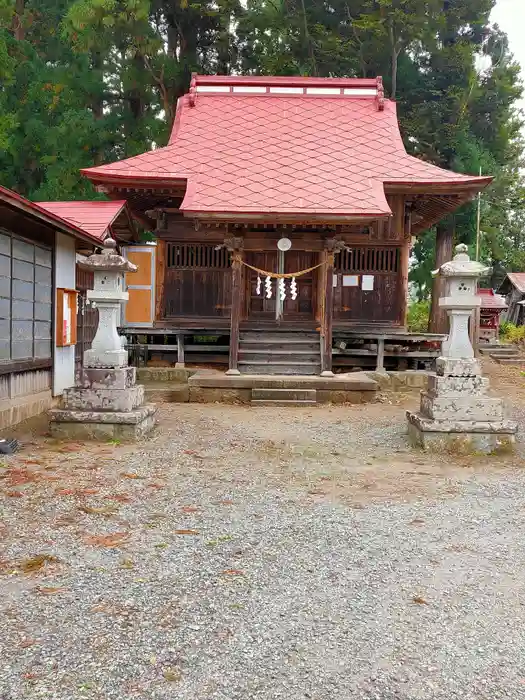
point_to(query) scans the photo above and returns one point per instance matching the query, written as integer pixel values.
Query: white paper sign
(350, 281)
(367, 283)
(334, 282)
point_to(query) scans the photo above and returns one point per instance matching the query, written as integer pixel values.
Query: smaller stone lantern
(456, 410)
(107, 296)
(107, 403)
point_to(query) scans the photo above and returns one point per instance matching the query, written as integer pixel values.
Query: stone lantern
(107, 296)
(456, 411)
(107, 403)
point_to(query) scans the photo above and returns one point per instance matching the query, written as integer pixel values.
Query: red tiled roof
(16, 201)
(491, 300)
(517, 279)
(283, 146)
(93, 217)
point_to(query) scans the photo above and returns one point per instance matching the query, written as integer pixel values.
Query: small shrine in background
(456, 412)
(492, 306)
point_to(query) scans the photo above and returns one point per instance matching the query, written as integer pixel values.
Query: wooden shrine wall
(379, 267)
(197, 281)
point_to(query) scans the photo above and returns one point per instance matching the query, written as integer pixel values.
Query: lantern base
(109, 359)
(461, 437)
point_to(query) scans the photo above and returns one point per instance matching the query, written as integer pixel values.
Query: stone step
(279, 367)
(517, 361)
(510, 350)
(281, 402)
(284, 395)
(504, 355)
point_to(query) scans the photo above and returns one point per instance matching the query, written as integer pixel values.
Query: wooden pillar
(236, 307)
(380, 365)
(180, 351)
(438, 321)
(326, 328)
(404, 264)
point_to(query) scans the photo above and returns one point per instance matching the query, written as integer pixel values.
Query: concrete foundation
(461, 437)
(99, 425)
(107, 405)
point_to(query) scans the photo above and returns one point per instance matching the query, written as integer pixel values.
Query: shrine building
(284, 211)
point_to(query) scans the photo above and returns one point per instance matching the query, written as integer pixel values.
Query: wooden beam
(326, 328)
(438, 321)
(236, 309)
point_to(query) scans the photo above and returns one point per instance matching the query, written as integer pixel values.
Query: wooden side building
(284, 210)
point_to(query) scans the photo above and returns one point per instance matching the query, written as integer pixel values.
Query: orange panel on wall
(138, 308)
(142, 259)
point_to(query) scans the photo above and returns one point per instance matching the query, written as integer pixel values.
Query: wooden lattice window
(187, 256)
(375, 260)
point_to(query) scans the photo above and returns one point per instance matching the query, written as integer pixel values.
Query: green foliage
(418, 313)
(89, 81)
(510, 333)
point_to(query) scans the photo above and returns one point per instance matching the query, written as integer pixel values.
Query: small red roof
(93, 217)
(16, 201)
(491, 300)
(283, 146)
(517, 279)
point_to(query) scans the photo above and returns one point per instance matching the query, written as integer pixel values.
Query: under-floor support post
(326, 330)
(236, 307)
(180, 351)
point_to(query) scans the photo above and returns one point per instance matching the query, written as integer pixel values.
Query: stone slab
(121, 378)
(112, 358)
(457, 386)
(339, 382)
(164, 374)
(461, 443)
(461, 408)
(427, 425)
(342, 397)
(453, 367)
(102, 431)
(122, 400)
(60, 415)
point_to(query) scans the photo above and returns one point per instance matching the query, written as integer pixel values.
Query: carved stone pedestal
(106, 405)
(456, 413)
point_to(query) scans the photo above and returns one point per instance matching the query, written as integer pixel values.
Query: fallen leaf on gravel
(26, 643)
(103, 510)
(127, 564)
(38, 562)
(156, 486)
(120, 497)
(65, 492)
(189, 452)
(127, 475)
(51, 590)
(190, 509)
(226, 502)
(172, 674)
(419, 600)
(233, 572)
(162, 545)
(317, 492)
(14, 494)
(21, 476)
(30, 676)
(87, 492)
(114, 540)
(417, 521)
(187, 532)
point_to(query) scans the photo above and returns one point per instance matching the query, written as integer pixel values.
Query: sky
(510, 15)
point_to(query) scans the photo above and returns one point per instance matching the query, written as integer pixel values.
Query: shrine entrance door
(273, 309)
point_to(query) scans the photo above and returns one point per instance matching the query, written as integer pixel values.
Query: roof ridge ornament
(193, 89)
(380, 94)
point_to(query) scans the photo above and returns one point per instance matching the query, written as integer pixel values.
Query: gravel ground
(263, 553)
